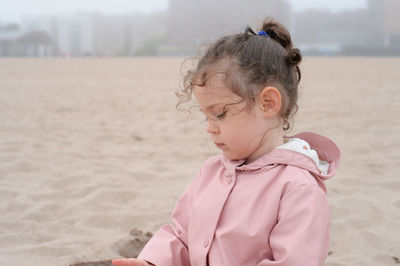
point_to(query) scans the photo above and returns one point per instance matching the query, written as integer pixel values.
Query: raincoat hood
(310, 151)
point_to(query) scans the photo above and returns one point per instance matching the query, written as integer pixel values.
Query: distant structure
(98, 34)
(188, 24)
(385, 22)
(128, 35)
(195, 22)
(392, 22)
(73, 34)
(374, 30)
(16, 42)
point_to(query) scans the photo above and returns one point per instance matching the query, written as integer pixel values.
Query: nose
(212, 128)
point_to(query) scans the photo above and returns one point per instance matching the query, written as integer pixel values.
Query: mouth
(219, 145)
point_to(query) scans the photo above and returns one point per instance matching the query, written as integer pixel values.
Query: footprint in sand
(93, 263)
(387, 259)
(131, 246)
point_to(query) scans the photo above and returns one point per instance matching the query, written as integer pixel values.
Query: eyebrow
(210, 106)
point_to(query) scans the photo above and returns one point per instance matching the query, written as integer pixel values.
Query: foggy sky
(11, 10)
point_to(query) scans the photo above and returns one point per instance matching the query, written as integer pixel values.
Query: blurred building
(72, 34)
(188, 24)
(392, 22)
(100, 35)
(195, 22)
(16, 42)
(324, 32)
(374, 30)
(128, 35)
(385, 22)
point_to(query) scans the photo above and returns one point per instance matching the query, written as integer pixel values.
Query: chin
(234, 157)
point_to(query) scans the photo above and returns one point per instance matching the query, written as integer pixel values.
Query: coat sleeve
(169, 245)
(301, 235)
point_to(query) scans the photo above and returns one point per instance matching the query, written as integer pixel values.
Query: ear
(270, 101)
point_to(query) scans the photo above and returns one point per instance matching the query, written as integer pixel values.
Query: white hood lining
(302, 146)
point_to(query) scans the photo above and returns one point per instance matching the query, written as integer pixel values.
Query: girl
(262, 201)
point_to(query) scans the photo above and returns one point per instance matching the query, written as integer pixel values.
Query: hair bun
(294, 57)
(277, 32)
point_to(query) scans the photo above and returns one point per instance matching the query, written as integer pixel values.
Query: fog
(178, 27)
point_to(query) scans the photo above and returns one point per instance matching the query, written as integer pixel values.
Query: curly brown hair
(251, 62)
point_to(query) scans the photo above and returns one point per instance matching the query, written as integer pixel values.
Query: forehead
(215, 91)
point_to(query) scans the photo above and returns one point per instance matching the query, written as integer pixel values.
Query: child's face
(237, 131)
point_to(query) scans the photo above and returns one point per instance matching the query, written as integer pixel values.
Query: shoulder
(301, 191)
(213, 162)
(293, 178)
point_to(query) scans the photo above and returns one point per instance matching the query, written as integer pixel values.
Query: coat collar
(327, 151)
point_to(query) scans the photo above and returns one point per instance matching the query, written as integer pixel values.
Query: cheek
(237, 133)
(234, 137)
(244, 132)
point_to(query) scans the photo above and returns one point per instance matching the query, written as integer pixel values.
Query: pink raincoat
(272, 211)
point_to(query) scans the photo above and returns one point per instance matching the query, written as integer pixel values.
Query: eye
(216, 117)
(220, 116)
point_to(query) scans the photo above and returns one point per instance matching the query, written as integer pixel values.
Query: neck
(272, 138)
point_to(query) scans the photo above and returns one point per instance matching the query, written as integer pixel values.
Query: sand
(93, 148)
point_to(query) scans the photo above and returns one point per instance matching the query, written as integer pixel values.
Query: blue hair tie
(262, 33)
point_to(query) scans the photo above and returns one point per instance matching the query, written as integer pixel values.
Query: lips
(219, 145)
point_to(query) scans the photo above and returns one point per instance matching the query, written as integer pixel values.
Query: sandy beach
(93, 148)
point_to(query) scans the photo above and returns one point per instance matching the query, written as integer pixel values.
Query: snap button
(305, 148)
(205, 244)
(228, 174)
(229, 180)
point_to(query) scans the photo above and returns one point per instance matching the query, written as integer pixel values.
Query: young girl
(262, 201)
